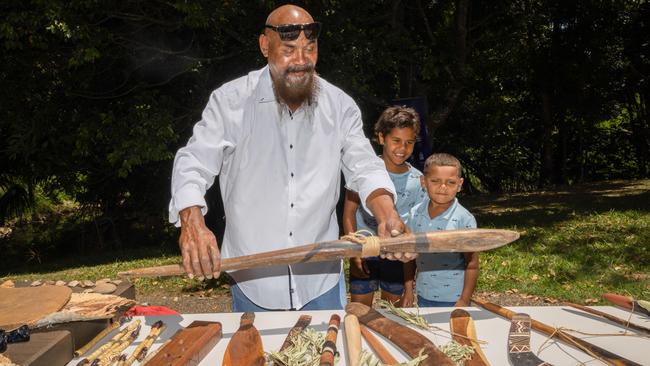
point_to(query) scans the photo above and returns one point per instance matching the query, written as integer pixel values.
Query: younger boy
(396, 130)
(443, 279)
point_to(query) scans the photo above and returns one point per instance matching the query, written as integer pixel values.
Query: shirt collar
(449, 212)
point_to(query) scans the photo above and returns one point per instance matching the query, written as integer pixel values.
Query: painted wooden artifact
(627, 303)
(329, 347)
(382, 353)
(603, 354)
(188, 346)
(402, 336)
(245, 346)
(352, 339)
(519, 352)
(626, 324)
(475, 240)
(464, 332)
(302, 323)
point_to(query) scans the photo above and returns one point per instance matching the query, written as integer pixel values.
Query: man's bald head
(289, 14)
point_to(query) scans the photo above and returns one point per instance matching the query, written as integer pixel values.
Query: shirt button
(291, 174)
(291, 233)
(292, 205)
(291, 146)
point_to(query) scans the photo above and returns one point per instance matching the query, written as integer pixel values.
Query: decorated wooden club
(475, 240)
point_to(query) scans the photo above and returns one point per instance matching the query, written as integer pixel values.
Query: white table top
(274, 326)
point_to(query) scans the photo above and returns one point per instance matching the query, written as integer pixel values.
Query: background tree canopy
(98, 95)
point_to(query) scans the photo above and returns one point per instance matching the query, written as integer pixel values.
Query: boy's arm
(471, 276)
(409, 284)
(350, 206)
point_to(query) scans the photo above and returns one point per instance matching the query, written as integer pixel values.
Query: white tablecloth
(274, 326)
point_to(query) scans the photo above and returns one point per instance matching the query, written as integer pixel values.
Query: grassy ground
(576, 243)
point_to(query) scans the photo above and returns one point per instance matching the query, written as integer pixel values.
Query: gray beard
(296, 94)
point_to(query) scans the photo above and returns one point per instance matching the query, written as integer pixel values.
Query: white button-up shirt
(279, 174)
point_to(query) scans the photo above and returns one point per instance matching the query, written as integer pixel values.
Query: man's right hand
(358, 268)
(201, 257)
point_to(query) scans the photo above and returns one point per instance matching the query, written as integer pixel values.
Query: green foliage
(98, 96)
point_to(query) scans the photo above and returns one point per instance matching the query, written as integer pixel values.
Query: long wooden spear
(584, 346)
(475, 240)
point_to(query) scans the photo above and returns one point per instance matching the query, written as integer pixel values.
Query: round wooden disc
(26, 305)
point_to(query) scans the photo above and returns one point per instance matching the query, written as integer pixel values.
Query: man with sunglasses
(278, 138)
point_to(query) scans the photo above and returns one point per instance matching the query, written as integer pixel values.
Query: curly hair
(397, 117)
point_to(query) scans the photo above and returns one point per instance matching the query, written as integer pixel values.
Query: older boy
(443, 279)
(396, 131)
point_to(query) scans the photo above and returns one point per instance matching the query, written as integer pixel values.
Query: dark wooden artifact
(603, 354)
(612, 318)
(475, 240)
(302, 323)
(626, 302)
(188, 346)
(402, 336)
(245, 346)
(329, 347)
(464, 332)
(382, 353)
(519, 351)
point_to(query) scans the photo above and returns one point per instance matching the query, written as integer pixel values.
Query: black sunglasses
(291, 32)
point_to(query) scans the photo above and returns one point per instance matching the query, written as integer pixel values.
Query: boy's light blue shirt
(409, 193)
(440, 275)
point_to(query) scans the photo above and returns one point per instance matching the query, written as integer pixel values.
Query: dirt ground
(218, 303)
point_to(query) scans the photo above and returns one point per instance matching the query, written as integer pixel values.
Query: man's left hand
(380, 203)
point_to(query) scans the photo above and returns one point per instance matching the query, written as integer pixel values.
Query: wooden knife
(245, 346)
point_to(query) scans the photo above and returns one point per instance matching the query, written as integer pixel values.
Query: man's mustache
(300, 68)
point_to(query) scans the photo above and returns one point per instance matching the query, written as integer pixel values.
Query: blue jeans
(424, 303)
(333, 299)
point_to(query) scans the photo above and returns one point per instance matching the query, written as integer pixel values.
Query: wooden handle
(352, 339)
(302, 323)
(474, 240)
(626, 302)
(604, 355)
(382, 353)
(329, 347)
(612, 318)
(404, 337)
(462, 327)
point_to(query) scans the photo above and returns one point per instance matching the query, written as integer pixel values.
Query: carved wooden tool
(301, 324)
(475, 240)
(403, 337)
(245, 346)
(602, 354)
(519, 351)
(612, 318)
(627, 303)
(461, 323)
(382, 353)
(352, 339)
(329, 347)
(188, 346)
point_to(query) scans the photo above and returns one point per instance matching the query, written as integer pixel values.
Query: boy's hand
(358, 268)
(461, 303)
(407, 299)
